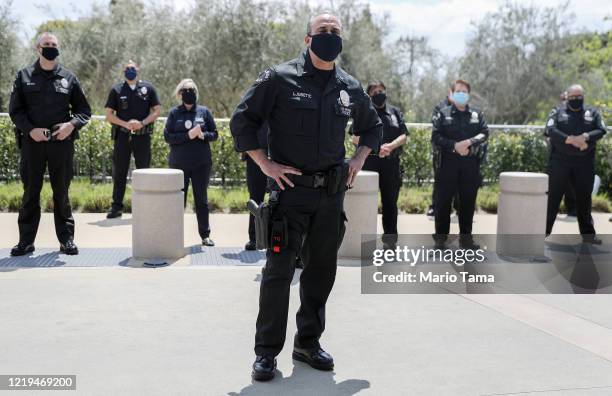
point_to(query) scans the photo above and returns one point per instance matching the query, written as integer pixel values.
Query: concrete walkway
(188, 329)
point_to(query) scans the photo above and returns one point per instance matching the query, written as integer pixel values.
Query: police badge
(345, 99)
(474, 119)
(143, 90)
(588, 116)
(188, 124)
(64, 83)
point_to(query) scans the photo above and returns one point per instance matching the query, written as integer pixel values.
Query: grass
(96, 197)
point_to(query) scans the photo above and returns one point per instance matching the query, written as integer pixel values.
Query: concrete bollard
(521, 214)
(157, 214)
(361, 207)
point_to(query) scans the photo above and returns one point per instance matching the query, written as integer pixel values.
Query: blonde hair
(185, 83)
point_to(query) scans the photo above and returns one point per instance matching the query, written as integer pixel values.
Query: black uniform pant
(580, 173)
(256, 183)
(199, 178)
(318, 220)
(36, 158)
(434, 194)
(456, 175)
(389, 182)
(124, 145)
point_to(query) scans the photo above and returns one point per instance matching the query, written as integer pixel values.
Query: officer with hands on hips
(307, 103)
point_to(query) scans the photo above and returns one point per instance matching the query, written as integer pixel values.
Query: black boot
(22, 248)
(263, 368)
(316, 358)
(69, 248)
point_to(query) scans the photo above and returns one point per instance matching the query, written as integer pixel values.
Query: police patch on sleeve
(550, 122)
(264, 76)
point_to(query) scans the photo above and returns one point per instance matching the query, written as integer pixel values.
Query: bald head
(575, 90)
(47, 39)
(323, 23)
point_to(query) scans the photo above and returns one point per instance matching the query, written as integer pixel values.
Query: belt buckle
(319, 180)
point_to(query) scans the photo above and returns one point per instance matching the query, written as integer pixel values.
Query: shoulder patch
(264, 76)
(550, 122)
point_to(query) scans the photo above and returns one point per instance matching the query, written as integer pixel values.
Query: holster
(436, 157)
(336, 178)
(271, 231)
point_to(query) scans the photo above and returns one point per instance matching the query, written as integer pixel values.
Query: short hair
(131, 62)
(574, 86)
(41, 36)
(185, 84)
(462, 82)
(373, 84)
(312, 18)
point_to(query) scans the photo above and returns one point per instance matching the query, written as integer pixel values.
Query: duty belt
(316, 180)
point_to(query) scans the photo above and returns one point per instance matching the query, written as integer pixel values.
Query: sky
(446, 23)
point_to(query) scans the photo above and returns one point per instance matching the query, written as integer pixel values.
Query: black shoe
(431, 212)
(22, 248)
(316, 358)
(208, 242)
(439, 241)
(467, 242)
(114, 213)
(592, 239)
(263, 368)
(69, 248)
(299, 263)
(250, 245)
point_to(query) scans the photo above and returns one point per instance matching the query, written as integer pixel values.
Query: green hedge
(517, 151)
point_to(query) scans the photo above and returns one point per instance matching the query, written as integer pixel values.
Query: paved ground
(188, 328)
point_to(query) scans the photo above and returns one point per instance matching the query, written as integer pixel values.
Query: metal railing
(503, 127)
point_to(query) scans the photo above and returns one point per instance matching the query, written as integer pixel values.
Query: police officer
(48, 107)
(256, 182)
(459, 133)
(387, 162)
(573, 129)
(307, 103)
(131, 108)
(190, 128)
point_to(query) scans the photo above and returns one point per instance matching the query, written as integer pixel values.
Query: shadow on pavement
(46, 260)
(304, 381)
(111, 222)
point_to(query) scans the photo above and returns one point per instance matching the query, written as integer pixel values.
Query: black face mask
(575, 104)
(188, 96)
(326, 46)
(379, 99)
(50, 53)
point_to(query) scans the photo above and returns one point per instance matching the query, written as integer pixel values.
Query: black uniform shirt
(450, 125)
(393, 126)
(563, 122)
(185, 152)
(41, 99)
(132, 104)
(307, 124)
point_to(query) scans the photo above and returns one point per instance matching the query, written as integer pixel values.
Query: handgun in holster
(271, 231)
(337, 177)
